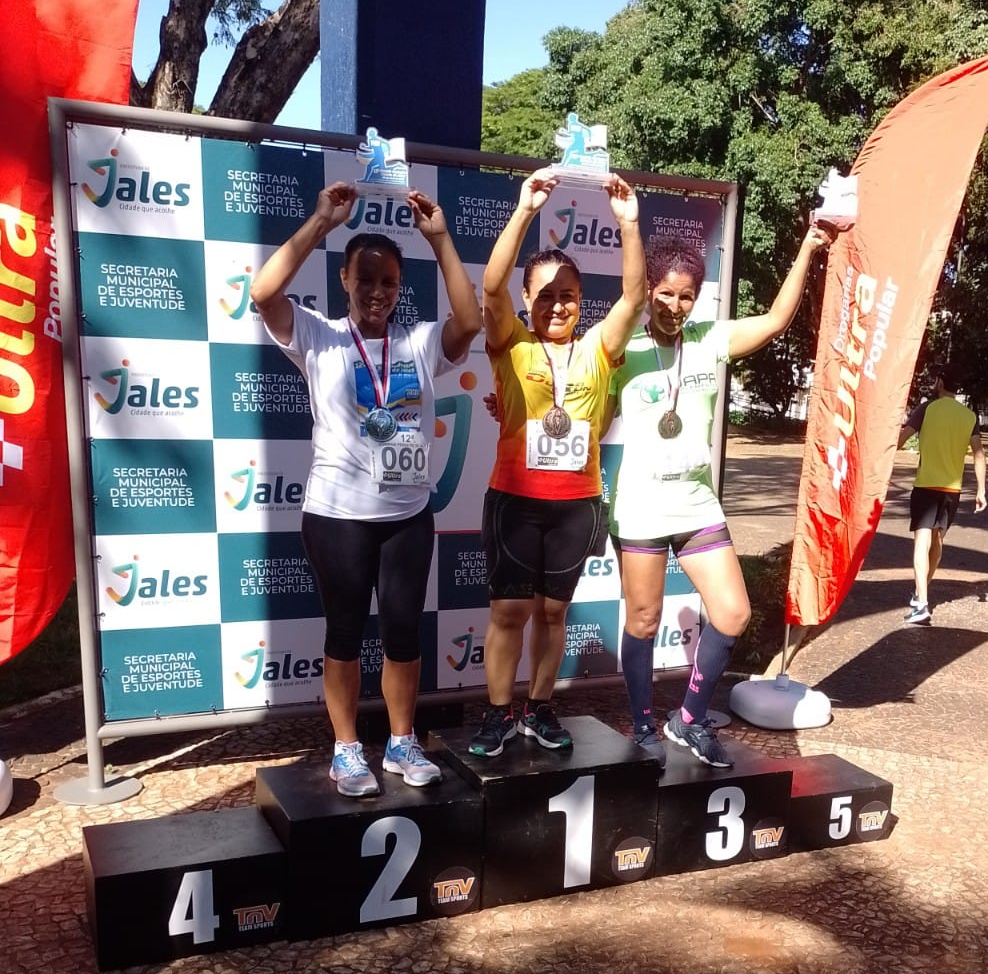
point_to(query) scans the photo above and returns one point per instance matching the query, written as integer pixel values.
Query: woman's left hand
(428, 216)
(820, 235)
(624, 202)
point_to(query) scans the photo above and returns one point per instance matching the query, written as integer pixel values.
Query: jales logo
(125, 189)
(271, 669)
(262, 492)
(238, 293)
(143, 396)
(373, 213)
(581, 234)
(471, 653)
(146, 587)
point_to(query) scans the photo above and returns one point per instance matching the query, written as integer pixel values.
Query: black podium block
(181, 885)
(721, 816)
(556, 821)
(836, 803)
(406, 854)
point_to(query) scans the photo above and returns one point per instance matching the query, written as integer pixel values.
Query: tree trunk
(268, 63)
(265, 68)
(172, 83)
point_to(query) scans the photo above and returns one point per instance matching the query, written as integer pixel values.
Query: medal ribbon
(558, 385)
(382, 388)
(672, 383)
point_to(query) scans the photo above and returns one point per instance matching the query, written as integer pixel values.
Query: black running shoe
(544, 726)
(498, 726)
(647, 738)
(700, 737)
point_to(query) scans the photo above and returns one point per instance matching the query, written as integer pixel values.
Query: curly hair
(677, 255)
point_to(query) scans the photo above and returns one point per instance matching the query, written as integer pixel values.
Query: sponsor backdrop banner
(66, 49)
(199, 428)
(881, 278)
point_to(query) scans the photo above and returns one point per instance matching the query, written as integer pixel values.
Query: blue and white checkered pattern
(199, 428)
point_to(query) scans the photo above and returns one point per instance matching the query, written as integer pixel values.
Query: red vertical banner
(881, 277)
(48, 48)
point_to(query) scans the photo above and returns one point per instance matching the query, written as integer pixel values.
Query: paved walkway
(909, 705)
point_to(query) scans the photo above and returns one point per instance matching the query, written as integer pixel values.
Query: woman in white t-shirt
(366, 522)
(664, 497)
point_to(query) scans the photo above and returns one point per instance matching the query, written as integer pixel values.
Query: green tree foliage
(769, 94)
(514, 122)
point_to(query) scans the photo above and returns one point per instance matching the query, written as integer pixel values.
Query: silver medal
(380, 424)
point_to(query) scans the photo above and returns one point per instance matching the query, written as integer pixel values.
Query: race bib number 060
(401, 462)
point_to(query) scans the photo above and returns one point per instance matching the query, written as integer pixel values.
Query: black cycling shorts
(539, 547)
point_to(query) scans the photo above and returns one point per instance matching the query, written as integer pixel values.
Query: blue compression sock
(713, 653)
(636, 664)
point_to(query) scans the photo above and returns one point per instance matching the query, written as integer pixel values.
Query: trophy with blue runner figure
(586, 161)
(385, 167)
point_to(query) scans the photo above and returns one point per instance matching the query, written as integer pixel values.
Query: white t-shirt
(341, 394)
(664, 487)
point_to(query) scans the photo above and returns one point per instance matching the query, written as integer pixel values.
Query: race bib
(403, 461)
(674, 459)
(568, 452)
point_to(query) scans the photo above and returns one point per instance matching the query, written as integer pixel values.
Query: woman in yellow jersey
(543, 511)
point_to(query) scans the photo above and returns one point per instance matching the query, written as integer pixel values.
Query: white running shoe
(350, 772)
(407, 758)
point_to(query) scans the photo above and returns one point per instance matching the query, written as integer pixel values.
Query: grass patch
(766, 577)
(51, 662)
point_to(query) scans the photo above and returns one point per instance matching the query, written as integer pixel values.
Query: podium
(183, 885)
(556, 821)
(406, 854)
(836, 803)
(304, 862)
(711, 817)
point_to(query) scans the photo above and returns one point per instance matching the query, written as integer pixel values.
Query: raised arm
(626, 312)
(465, 322)
(267, 290)
(750, 334)
(499, 313)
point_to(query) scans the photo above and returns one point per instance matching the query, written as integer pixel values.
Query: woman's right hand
(536, 189)
(492, 405)
(335, 203)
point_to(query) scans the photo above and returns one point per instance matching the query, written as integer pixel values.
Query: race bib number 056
(568, 452)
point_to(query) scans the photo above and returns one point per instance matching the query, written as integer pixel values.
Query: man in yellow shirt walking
(946, 429)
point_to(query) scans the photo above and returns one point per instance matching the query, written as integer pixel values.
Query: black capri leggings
(352, 558)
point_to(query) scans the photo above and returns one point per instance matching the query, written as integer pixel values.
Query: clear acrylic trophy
(586, 161)
(840, 201)
(386, 172)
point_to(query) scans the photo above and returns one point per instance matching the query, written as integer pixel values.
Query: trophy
(840, 201)
(386, 171)
(586, 161)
